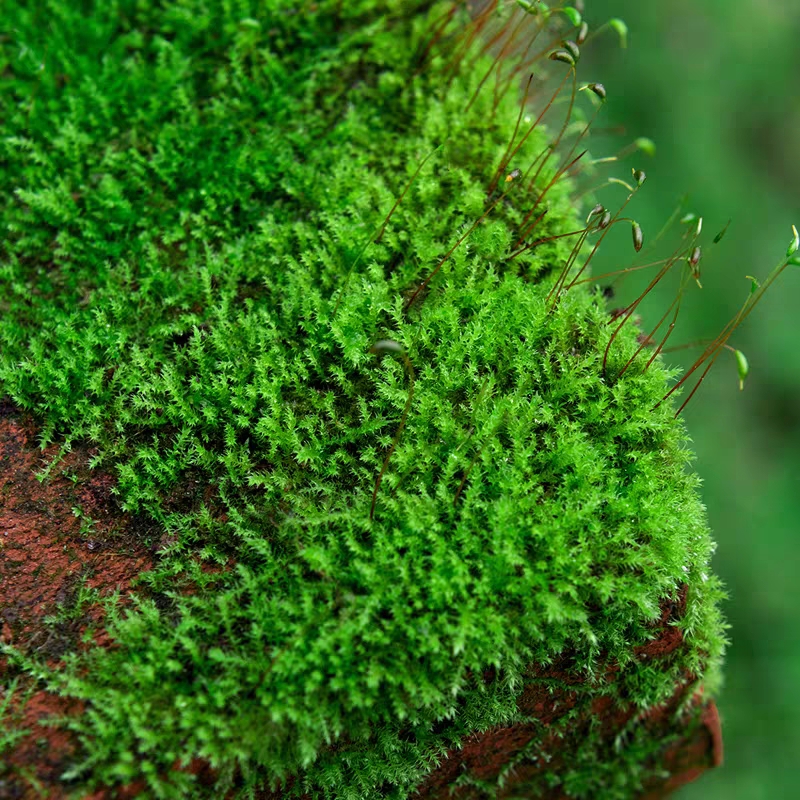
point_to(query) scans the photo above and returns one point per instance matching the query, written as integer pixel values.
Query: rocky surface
(65, 532)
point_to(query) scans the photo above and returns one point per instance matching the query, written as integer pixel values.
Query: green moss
(11, 729)
(188, 281)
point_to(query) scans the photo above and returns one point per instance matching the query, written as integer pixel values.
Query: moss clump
(189, 281)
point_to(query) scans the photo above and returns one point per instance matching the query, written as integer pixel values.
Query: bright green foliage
(189, 186)
(10, 730)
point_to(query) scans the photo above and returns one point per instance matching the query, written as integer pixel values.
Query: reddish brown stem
(600, 240)
(522, 141)
(546, 239)
(539, 55)
(496, 38)
(475, 29)
(522, 61)
(621, 271)
(465, 478)
(446, 18)
(718, 344)
(697, 385)
(672, 324)
(546, 190)
(504, 162)
(526, 60)
(635, 304)
(653, 333)
(556, 290)
(652, 358)
(557, 141)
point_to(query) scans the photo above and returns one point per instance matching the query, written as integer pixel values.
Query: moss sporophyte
(313, 282)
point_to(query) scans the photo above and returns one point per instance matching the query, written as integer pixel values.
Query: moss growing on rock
(409, 470)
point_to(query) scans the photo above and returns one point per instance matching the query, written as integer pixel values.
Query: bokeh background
(715, 84)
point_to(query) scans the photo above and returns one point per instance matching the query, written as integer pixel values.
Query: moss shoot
(419, 467)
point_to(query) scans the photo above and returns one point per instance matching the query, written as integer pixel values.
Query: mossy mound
(190, 281)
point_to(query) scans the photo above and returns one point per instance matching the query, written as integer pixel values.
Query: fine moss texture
(199, 275)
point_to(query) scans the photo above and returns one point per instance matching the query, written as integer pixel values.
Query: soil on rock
(56, 536)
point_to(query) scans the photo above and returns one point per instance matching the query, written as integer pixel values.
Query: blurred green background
(715, 84)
